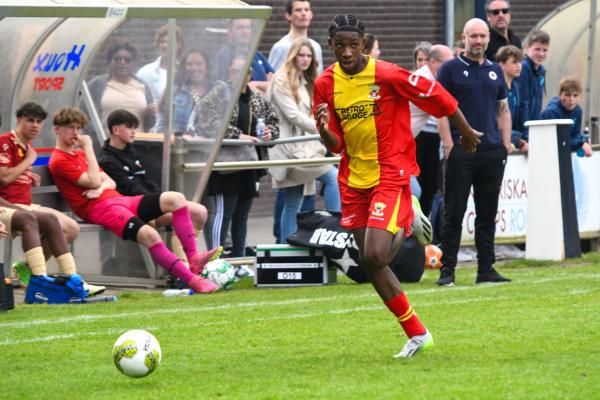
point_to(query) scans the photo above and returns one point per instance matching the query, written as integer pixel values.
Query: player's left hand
(35, 180)
(93, 193)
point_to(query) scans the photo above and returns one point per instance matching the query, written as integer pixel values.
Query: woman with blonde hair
(291, 93)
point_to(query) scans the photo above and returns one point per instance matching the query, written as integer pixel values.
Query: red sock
(407, 317)
(184, 229)
(169, 261)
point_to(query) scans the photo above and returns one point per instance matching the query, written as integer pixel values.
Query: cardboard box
(284, 265)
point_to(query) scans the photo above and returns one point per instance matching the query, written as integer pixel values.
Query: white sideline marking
(113, 331)
(370, 293)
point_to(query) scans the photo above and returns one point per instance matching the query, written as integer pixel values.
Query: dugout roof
(571, 51)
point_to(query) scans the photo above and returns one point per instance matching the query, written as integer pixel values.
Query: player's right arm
(91, 178)
(9, 174)
(327, 124)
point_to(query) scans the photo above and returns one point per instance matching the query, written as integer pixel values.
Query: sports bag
(57, 289)
(321, 230)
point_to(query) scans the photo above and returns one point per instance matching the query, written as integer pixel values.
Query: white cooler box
(285, 265)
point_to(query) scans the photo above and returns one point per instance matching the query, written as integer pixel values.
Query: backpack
(321, 230)
(57, 289)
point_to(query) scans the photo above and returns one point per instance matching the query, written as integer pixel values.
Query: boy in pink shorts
(92, 196)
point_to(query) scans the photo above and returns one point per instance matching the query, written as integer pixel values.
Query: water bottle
(177, 292)
(260, 128)
(586, 138)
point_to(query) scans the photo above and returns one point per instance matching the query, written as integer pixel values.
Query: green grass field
(536, 338)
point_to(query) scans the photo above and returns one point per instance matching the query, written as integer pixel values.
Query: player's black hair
(31, 110)
(121, 117)
(346, 23)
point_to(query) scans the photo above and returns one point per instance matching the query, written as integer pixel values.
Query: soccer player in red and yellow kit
(362, 112)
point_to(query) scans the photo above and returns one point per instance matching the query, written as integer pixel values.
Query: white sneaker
(93, 290)
(243, 271)
(421, 226)
(415, 345)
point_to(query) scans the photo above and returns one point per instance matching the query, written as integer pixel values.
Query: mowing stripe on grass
(95, 317)
(293, 316)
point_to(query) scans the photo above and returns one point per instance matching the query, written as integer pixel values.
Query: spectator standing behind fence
(509, 57)
(566, 106)
(532, 81)
(120, 88)
(121, 163)
(478, 85)
(420, 54)
(291, 93)
(235, 191)
(299, 15)
(424, 129)
(191, 84)
(458, 47)
(92, 196)
(154, 74)
(371, 47)
(498, 16)
(239, 41)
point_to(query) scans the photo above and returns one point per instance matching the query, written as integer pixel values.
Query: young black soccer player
(361, 108)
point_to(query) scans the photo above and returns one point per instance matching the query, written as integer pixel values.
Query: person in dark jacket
(498, 16)
(532, 81)
(566, 106)
(119, 160)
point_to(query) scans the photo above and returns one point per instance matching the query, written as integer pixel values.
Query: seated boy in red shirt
(92, 196)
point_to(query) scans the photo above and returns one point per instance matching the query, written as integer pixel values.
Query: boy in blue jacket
(509, 57)
(532, 81)
(566, 106)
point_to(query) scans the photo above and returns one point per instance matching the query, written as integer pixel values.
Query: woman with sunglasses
(121, 89)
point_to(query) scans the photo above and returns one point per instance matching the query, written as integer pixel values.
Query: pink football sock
(169, 261)
(184, 229)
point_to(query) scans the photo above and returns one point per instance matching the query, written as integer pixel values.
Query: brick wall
(398, 24)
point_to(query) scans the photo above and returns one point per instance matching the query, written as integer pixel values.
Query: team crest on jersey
(374, 92)
(378, 209)
(466, 74)
(493, 75)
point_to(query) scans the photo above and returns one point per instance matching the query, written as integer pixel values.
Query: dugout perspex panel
(280, 265)
(52, 50)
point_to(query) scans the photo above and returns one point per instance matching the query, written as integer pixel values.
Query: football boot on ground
(93, 290)
(416, 345)
(202, 285)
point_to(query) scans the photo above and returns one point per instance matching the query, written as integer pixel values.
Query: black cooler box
(284, 265)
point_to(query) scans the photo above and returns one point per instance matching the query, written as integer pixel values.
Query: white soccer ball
(136, 353)
(221, 272)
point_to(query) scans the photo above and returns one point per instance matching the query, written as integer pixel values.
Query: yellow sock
(36, 260)
(66, 264)
(178, 250)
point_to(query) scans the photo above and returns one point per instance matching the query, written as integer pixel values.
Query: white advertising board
(511, 220)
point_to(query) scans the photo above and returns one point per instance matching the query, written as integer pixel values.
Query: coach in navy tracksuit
(478, 85)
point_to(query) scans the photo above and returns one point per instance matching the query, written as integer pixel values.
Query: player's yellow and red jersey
(371, 118)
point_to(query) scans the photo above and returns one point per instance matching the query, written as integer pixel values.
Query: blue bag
(57, 289)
